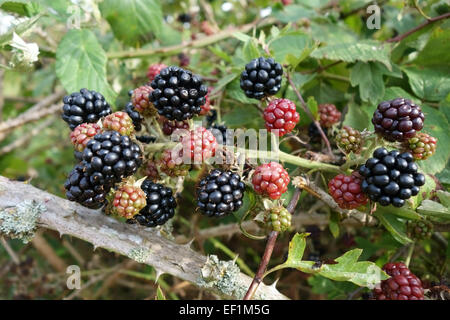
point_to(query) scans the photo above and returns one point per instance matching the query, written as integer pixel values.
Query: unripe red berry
(281, 115)
(270, 179)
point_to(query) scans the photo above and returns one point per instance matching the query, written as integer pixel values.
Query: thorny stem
(400, 37)
(272, 238)
(262, 266)
(308, 112)
(202, 42)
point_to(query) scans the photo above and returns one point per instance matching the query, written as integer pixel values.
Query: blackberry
(211, 117)
(419, 229)
(402, 285)
(160, 205)
(328, 115)
(398, 119)
(278, 219)
(178, 94)
(349, 140)
(220, 193)
(261, 77)
(184, 17)
(134, 115)
(314, 133)
(391, 177)
(146, 139)
(220, 132)
(422, 146)
(79, 188)
(110, 157)
(86, 106)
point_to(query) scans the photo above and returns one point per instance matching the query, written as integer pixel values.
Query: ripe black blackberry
(211, 117)
(391, 177)
(220, 193)
(135, 116)
(398, 119)
(178, 94)
(314, 133)
(184, 17)
(220, 132)
(146, 138)
(86, 106)
(109, 157)
(79, 188)
(160, 205)
(261, 77)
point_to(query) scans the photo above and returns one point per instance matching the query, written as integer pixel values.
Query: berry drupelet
(398, 119)
(81, 135)
(178, 94)
(141, 100)
(422, 146)
(154, 69)
(135, 116)
(281, 115)
(110, 157)
(261, 77)
(346, 191)
(81, 189)
(86, 106)
(349, 140)
(270, 179)
(220, 193)
(402, 285)
(160, 205)
(119, 121)
(391, 177)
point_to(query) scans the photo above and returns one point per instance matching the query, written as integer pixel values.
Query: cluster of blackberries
(261, 77)
(398, 119)
(86, 106)
(178, 94)
(134, 115)
(107, 158)
(160, 205)
(220, 193)
(391, 177)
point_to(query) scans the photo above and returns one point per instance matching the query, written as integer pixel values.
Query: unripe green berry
(349, 140)
(278, 219)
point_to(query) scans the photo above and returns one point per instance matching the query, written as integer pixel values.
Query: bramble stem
(272, 238)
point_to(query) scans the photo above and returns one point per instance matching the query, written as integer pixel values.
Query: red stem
(400, 37)
(272, 238)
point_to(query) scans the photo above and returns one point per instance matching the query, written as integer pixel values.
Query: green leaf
(333, 290)
(21, 7)
(293, 13)
(292, 48)
(223, 82)
(133, 20)
(428, 84)
(160, 294)
(347, 268)
(364, 51)
(81, 63)
(393, 225)
(330, 33)
(402, 212)
(241, 36)
(435, 54)
(444, 197)
(333, 224)
(356, 117)
(434, 209)
(369, 78)
(251, 50)
(436, 124)
(426, 191)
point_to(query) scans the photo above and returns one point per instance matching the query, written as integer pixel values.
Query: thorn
(274, 284)
(158, 274)
(189, 243)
